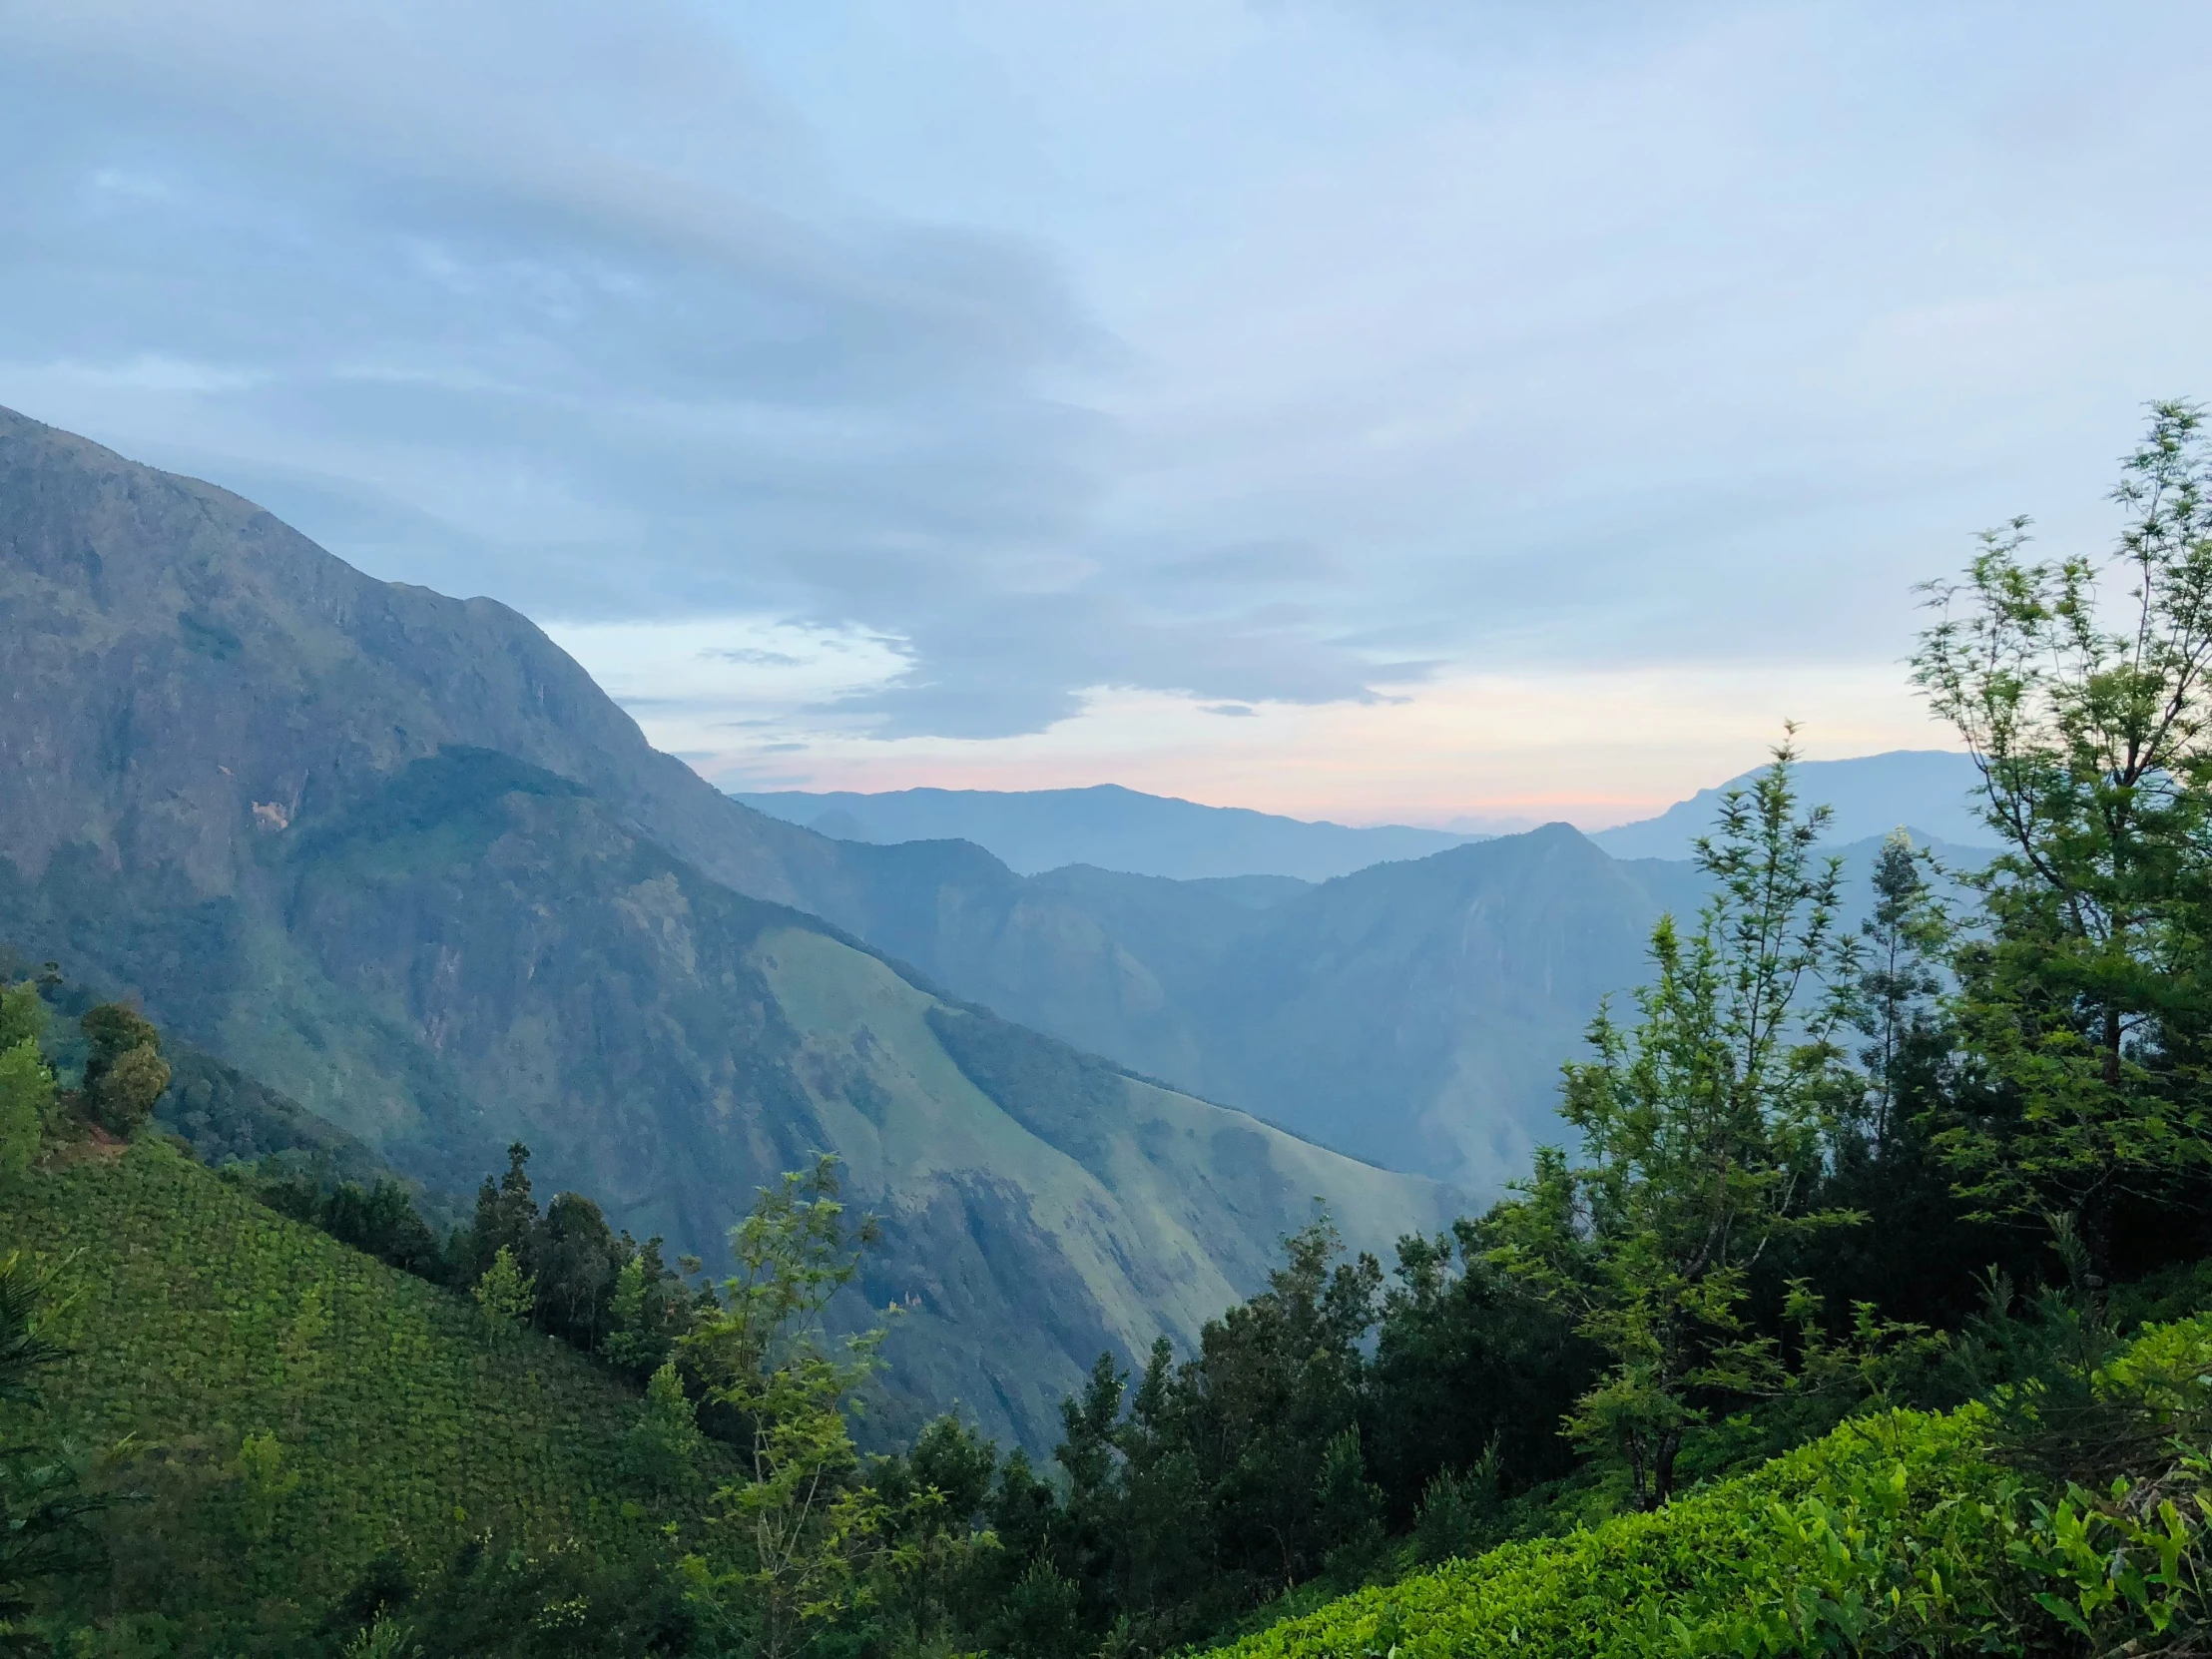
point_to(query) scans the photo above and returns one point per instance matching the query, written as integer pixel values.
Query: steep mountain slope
(1109, 826)
(1415, 1013)
(396, 856)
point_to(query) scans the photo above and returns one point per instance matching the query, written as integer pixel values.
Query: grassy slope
(1151, 1212)
(197, 1316)
(1709, 1560)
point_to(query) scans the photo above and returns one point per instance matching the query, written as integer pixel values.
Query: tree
(1274, 1388)
(1701, 1129)
(932, 1497)
(1469, 1371)
(666, 1440)
(26, 1081)
(2089, 996)
(1898, 1004)
(125, 1073)
(506, 1219)
(506, 1295)
(1918, 1255)
(578, 1258)
(798, 1527)
(26, 1102)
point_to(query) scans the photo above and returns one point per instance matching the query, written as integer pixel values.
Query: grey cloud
(555, 305)
(1235, 709)
(558, 303)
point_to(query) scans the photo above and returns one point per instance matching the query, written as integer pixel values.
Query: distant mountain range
(396, 856)
(1031, 831)
(1930, 790)
(1111, 828)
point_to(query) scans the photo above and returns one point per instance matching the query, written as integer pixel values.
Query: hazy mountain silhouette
(1031, 831)
(1930, 790)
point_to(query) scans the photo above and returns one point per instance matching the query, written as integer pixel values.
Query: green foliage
(26, 1104)
(1703, 1129)
(2087, 998)
(791, 1536)
(45, 1509)
(23, 1016)
(1917, 1507)
(1460, 1513)
(125, 1073)
(934, 1564)
(665, 1441)
(506, 1295)
(26, 1081)
(264, 1483)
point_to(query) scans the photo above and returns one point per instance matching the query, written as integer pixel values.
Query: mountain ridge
(1107, 826)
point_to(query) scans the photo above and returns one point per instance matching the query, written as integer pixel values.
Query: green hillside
(1902, 1495)
(200, 1324)
(1904, 1532)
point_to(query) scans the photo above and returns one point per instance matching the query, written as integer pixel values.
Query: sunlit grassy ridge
(1888, 1520)
(195, 1317)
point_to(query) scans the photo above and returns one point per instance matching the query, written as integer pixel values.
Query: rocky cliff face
(395, 855)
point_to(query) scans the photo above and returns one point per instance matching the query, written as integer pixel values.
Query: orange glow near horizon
(1594, 747)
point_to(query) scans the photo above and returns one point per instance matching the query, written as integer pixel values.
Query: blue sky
(1364, 407)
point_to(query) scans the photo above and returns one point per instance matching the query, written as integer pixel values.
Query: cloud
(965, 371)
(1238, 711)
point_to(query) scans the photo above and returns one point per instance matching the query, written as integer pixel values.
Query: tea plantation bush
(328, 1409)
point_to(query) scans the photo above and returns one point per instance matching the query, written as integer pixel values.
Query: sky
(1447, 411)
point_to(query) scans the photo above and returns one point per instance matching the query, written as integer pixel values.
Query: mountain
(1108, 826)
(1929, 789)
(1415, 1013)
(397, 857)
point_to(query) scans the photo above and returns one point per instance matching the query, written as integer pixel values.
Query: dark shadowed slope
(395, 855)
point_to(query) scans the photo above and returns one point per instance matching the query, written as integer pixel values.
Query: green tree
(22, 1015)
(125, 1073)
(666, 1440)
(2090, 995)
(793, 1535)
(506, 1295)
(1898, 1008)
(26, 1103)
(1703, 1127)
(932, 1547)
(264, 1483)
